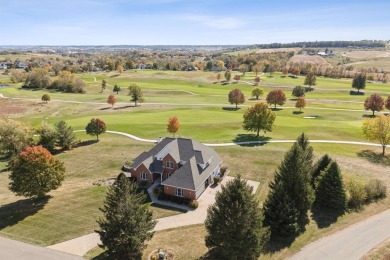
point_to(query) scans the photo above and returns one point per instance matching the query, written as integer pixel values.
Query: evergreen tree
(280, 211)
(318, 167)
(65, 135)
(127, 223)
(235, 224)
(330, 191)
(293, 178)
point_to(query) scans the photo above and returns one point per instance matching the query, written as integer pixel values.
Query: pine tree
(127, 223)
(280, 211)
(330, 191)
(235, 223)
(293, 178)
(318, 167)
(65, 135)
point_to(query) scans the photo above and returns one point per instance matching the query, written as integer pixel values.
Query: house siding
(137, 173)
(188, 194)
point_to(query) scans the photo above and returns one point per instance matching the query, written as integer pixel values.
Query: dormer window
(169, 164)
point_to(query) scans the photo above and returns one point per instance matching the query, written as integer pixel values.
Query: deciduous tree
(237, 78)
(257, 92)
(234, 223)
(300, 103)
(236, 97)
(45, 98)
(330, 192)
(218, 77)
(38, 78)
(359, 81)
(377, 130)
(374, 103)
(220, 65)
(116, 89)
(14, 136)
(243, 68)
(298, 91)
(104, 84)
(66, 138)
(228, 75)
(111, 100)
(127, 223)
(257, 68)
(387, 103)
(276, 97)
(96, 127)
(256, 80)
(35, 172)
(173, 125)
(136, 94)
(259, 117)
(120, 69)
(310, 79)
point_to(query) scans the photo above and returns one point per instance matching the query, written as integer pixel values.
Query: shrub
(217, 179)
(194, 204)
(357, 194)
(223, 170)
(156, 191)
(143, 183)
(161, 196)
(375, 189)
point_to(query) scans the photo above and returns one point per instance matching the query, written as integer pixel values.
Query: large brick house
(184, 167)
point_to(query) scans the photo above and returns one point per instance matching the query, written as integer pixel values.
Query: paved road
(81, 245)
(15, 250)
(352, 242)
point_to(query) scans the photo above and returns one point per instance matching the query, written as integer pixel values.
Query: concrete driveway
(81, 245)
(15, 250)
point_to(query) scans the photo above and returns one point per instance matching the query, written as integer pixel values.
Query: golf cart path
(246, 142)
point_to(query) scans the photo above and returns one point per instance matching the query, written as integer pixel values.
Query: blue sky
(177, 22)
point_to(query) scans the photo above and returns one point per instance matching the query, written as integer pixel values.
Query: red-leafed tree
(276, 97)
(35, 172)
(173, 125)
(256, 80)
(285, 71)
(96, 127)
(300, 103)
(236, 97)
(237, 78)
(387, 103)
(111, 100)
(374, 103)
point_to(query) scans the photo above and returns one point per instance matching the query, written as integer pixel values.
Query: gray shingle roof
(188, 176)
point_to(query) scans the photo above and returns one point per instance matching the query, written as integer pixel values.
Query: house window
(169, 164)
(144, 176)
(179, 192)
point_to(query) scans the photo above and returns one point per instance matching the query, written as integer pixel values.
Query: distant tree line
(324, 44)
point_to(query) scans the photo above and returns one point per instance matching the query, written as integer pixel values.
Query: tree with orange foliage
(35, 172)
(111, 100)
(237, 78)
(236, 97)
(173, 125)
(374, 103)
(120, 69)
(300, 103)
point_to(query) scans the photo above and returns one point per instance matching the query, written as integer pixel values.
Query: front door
(206, 183)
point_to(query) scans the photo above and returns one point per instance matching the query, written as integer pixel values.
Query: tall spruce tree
(126, 223)
(292, 177)
(318, 167)
(235, 223)
(330, 191)
(281, 213)
(66, 138)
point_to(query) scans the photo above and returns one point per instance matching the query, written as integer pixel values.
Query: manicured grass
(73, 209)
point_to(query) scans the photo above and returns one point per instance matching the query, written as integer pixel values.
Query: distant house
(322, 53)
(185, 168)
(3, 65)
(19, 64)
(142, 66)
(188, 68)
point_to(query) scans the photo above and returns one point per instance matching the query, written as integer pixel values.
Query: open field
(309, 59)
(204, 114)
